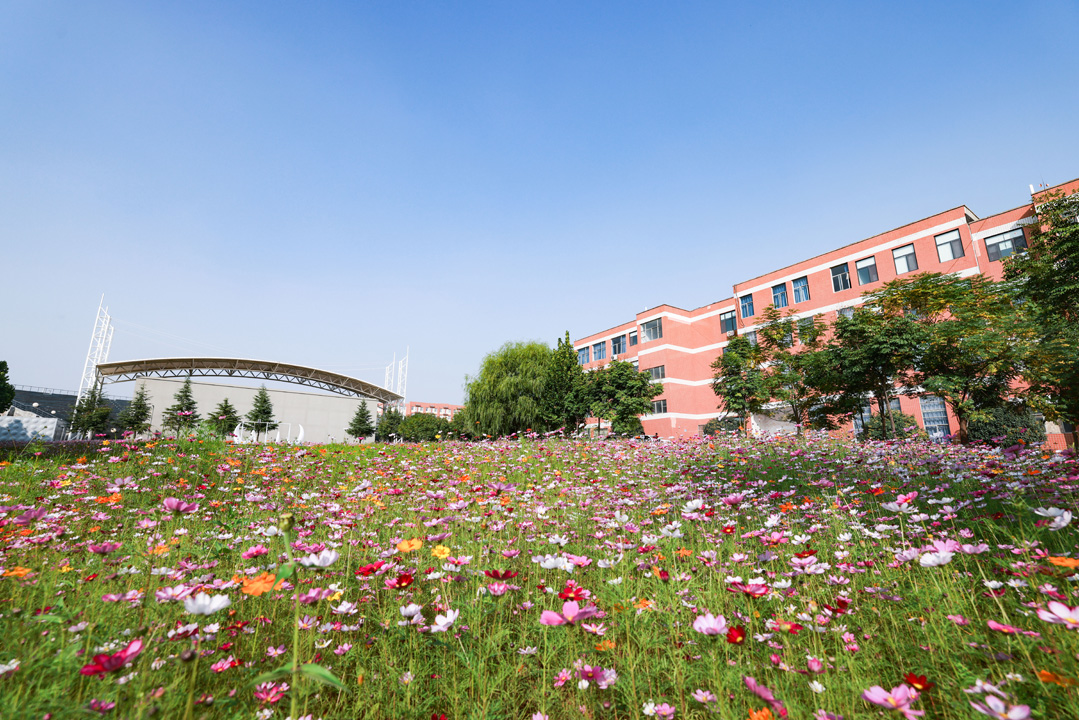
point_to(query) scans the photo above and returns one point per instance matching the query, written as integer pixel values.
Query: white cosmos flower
(443, 622)
(936, 559)
(816, 687)
(411, 610)
(323, 559)
(203, 604)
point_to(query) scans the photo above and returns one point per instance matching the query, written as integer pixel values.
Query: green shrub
(1007, 425)
(718, 425)
(905, 427)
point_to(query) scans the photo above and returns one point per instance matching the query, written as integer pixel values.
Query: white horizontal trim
(679, 348)
(683, 416)
(859, 255)
(981, 234)
(679, 381)
(686, 318)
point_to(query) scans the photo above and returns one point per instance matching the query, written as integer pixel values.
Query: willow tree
(507, 396)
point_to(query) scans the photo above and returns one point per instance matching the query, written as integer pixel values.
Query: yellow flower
(410, 545)
(441, 552)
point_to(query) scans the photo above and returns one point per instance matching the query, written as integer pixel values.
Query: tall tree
(423, 427)
(564, 404)
(7, 390)
(739, 380)
(620, 393)
(388, 425)
(136, 416)
(508, 394)
(1048, 278)
(788, 347)
(92, 414)
(361, 425)
(977, 339)
(224, 418)
(182, 415)
(261, 413)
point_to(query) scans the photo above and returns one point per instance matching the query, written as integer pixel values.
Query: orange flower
(261, 584)
(160, 550)
(114, 498)
(1065, 562)
(605, 645)
(18, 572)
(410, 545)
(762, 714)
(786, 507)
(643, 604)
(683, 552)
(1050, 677)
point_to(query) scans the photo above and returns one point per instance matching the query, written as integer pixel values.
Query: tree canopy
(507, 396)
(361, 424)
(135, 417)
(182, 415)
(7, 390)
(224, 418)
(620, 393)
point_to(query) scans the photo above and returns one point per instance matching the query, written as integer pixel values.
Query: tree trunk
(963, 422)
(881, 410)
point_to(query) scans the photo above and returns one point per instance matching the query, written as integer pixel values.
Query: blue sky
(328, 183)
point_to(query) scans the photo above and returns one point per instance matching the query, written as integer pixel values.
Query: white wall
(322, 416)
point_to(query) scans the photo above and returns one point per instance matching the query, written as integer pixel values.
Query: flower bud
(187, 656)
(286, 522)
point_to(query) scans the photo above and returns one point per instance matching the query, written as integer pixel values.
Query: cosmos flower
(203, 604)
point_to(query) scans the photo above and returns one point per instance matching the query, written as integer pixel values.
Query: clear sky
(328, 183)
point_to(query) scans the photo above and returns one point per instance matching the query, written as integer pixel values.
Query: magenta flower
(111, 663)
(254, 551)
(103, 548)
(664, 710)
(571, 613)
(898, 699)
(179, 506)
(765, 694)
(1060, 614)
(709, 624)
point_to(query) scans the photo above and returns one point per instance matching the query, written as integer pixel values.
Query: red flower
(728, 529)
(500, 574)
(805, 554)
(437, 716)
(736, 635)
(369, 569)
(403, 580)
(841, 605)
(110, 663)
(918, 682)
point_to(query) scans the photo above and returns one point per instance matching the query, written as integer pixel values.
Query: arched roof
(238, 367)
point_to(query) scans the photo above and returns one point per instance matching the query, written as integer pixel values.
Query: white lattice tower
(402, 379)
(390, 372)
(100, 342)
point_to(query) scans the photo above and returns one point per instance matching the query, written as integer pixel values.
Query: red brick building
(442, 410)
(678, 346)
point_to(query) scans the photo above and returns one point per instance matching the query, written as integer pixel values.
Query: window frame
(728, 322)
(584, 355)
(751, 337)
(905, 256)
(871, 270)
(618, 345)
(659, 407)
(599, 350)
(844, 274)
(658, 372)
(951, 244)
(994, 247)
(632, 338)
(779, 291)
(646, 330)
(744, 302)
(804, 287)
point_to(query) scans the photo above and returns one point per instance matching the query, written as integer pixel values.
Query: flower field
(543, 578)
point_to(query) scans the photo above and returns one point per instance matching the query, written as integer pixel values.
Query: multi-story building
(442, 410)
(678, 346)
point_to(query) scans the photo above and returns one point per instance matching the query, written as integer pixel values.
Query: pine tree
(224, 418)
(361, 425)
(183, 415)
(388, 424)
(91, 415)
(7, 390)
(261, 413)
(136, 416)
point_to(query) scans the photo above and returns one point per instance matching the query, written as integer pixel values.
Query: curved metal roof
(238, 367)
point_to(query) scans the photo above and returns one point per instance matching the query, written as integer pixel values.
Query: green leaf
(285, 571)
(283, 671)
(50, 618)
(321, 674)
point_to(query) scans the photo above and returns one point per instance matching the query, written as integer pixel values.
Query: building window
(727, 322)
(905, 259)
(861, 418)
(847, 312)
(1003, 245)
(801, 289)
(632, 338)
(599, 351)
(747, 305)
(658, 372)
(840, 278)
(659, 406)
(751, 337)
(618, 345)
(949, 246)
(867, 270)
(652, 330)
(582, 356)
(779, 295)
(934, 417)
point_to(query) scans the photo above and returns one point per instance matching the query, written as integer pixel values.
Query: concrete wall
(29, 427)
(322, 416)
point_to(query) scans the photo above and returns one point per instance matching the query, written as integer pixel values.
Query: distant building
(677, 347)
(442, 410)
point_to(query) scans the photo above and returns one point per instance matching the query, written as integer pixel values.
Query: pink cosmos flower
(270, 693)
(571, 613)
(111, 663)
(998, 709)
(709, 624)
(561, 678)
(253, 552)
(958, 619)
(664, 710)
(704, 696)
(179, 506)
(898, 699)
(1060, 614)
(104, 548)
